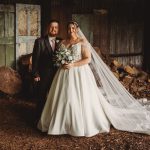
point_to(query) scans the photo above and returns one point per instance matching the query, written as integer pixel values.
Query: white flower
(70, 58)
(63, 61)
(57, 41)
(67, 53)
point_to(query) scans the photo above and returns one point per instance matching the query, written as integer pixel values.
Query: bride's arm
(86, 58)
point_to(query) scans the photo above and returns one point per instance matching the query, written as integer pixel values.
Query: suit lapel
(57, 42)
(48, 44)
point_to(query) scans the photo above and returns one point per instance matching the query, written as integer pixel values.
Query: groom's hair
(53, 20)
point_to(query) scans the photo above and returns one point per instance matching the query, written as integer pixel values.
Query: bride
(85, 100)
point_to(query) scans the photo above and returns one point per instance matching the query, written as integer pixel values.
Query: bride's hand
(68, 65)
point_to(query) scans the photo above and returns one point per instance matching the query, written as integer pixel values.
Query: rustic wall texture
(117, 26)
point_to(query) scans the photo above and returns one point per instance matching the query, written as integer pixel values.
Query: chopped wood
(135, 80)
(116, 63)
(116, 75)
(130, 70)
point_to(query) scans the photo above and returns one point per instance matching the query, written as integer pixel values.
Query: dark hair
(53, 20)
(73, 22)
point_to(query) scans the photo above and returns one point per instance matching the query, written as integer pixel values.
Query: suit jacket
(42, 57)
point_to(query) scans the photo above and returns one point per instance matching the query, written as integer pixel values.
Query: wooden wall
(118, 25)
(52, 9)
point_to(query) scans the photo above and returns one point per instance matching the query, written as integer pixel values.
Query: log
(134, 79)
(116, 63)
(116, 75)
(10, 81)
(130, 70)
(128, 80)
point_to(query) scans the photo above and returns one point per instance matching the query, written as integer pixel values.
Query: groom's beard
(52, 34)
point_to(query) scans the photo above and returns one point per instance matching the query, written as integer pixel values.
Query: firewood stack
(136, 81)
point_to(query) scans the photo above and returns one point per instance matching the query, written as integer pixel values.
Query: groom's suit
(43, 67)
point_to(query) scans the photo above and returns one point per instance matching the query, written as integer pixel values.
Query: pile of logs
(135, 80)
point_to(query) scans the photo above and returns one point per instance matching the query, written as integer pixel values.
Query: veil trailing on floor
(122, 109)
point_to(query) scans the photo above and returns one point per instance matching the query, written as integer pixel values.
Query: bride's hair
(73, 22)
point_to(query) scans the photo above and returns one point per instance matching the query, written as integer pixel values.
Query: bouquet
(63, 55)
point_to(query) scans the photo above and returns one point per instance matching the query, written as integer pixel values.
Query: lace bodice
(76, 50)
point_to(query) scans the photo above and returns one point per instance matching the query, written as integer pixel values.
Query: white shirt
(50, 40)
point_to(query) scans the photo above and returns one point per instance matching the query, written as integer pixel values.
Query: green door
(7, 52)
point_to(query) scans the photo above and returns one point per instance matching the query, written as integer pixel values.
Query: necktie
(53, 44)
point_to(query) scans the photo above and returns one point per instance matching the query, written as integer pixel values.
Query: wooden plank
(2, 24)
(2, 55)
(9, 17)
(130, 60)
(85, 23)
(7, 8)
(22, 49)
(6, 35)
(10, 55)
(22, 22)
(125, 54)
(7, 40)
(101, 30)
(34, 22)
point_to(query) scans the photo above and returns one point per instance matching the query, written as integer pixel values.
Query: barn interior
(118, 31)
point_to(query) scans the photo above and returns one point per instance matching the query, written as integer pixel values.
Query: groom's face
(53, 29)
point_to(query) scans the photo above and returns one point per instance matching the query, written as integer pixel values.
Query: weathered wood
(118, 32)
(7, 35)
(101, 29)
(85, 23)
(28, 18)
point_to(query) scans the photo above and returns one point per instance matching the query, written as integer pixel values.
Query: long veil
(122, 109)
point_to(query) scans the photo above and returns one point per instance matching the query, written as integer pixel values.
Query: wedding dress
(76, 105)
(73, 103)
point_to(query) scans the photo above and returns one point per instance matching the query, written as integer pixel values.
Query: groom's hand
(37, 79)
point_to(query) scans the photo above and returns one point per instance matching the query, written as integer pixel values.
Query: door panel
(27, 27)
(7, 51)
(2, 55)
(2, 24)
(10, 55)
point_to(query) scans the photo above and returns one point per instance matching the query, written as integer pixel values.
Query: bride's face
(72, 29)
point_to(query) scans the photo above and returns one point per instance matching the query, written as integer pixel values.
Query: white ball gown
(76, 106)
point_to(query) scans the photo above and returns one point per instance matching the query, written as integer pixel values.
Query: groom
(43, 69)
